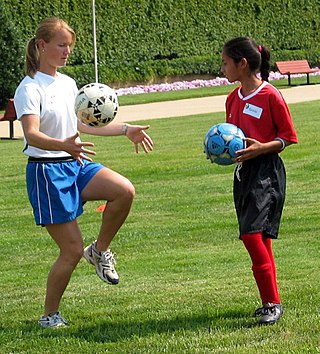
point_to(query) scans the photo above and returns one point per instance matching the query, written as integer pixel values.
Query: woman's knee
(129, 190)
(71, 250)
(73, 255)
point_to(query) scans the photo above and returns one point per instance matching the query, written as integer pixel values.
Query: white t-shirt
(52, 99)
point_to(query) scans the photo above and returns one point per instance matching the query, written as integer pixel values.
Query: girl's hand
(77, 149)
(254, 148)
(137, 134)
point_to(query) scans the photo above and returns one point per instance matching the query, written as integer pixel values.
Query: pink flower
(186, 85)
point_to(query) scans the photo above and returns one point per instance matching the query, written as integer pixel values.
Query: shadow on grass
(114, 331)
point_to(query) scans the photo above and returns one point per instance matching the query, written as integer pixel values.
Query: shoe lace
(238, 168)
(268, 310)
(258, 312)
(56, 316)
(108, 260)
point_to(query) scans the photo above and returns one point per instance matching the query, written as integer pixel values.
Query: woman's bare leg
(68, 238)
(119, 193)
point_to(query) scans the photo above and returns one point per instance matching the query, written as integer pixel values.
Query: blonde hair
(46, 31)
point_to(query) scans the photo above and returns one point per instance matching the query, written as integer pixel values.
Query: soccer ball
(222, 142)
(96, 105)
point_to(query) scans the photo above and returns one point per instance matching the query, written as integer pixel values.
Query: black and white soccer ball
(96, 105)
(222, 142)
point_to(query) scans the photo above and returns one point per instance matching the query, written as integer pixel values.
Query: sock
(263, 266)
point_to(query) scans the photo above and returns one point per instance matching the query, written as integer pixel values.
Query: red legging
(263, 266)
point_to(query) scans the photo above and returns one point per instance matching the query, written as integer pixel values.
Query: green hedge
(143, 40)
(12, 56)
(148, 71)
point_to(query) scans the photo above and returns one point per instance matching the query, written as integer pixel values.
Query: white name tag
(252, 110)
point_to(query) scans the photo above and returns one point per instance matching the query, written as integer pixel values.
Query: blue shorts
(54, 189)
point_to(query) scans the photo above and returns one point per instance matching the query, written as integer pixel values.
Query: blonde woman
(60, 173)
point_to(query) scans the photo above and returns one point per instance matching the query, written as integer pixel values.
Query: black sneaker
(270, 315)
(258, 312)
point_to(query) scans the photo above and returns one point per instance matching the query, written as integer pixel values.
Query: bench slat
(10, 116)
(295, 67)
(10, 112)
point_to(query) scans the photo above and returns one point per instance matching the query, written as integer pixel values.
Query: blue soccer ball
(222, 142)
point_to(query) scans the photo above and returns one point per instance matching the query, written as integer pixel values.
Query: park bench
(295, 67)
(10, 116)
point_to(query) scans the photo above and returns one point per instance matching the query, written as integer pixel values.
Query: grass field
(186, 283)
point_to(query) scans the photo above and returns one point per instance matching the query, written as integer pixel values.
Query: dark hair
(46, 31)
(257, 56)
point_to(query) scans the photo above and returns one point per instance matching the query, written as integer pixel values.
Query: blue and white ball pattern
(222, 142)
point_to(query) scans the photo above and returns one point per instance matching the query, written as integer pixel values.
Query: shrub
(12, 54)
(146, 40)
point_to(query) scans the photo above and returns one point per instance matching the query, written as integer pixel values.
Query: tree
(12, 56)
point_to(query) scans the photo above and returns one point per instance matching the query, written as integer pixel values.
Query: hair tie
(260, 48)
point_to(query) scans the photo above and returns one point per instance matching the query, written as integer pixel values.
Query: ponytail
(265, 63)
(32, 58)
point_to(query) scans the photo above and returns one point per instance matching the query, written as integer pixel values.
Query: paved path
(204, 105)
(186, 107)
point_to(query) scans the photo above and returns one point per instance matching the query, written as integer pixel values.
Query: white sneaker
(104, 263)
(54, 320)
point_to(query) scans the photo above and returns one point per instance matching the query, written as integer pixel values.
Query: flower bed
(186, 85)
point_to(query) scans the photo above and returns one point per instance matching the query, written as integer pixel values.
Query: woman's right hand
(72, 145)
(76, 148)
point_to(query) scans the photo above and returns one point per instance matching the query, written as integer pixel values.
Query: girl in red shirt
(260, 111)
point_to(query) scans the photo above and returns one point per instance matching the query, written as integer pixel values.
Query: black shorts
(259, 189)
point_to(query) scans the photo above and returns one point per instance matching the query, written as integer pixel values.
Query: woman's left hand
(137, 134)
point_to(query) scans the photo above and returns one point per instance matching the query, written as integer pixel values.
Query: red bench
(295, 67)
(10, 116)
